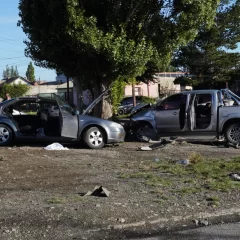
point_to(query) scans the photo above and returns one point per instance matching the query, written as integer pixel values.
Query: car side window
(172, 102)
(25, 108)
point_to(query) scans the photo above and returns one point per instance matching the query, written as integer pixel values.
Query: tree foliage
(15, 90)
(102, 41)
(109, 38)
(207, 59)
(10, 72)
(30, 73)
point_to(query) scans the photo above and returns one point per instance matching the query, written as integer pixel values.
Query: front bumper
(116, 136)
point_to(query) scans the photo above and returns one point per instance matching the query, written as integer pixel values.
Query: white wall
(34, 90)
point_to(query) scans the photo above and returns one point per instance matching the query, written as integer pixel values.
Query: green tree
(15, 90)
(102, 41)
(10, 72)
(207, 59)
(30, 73)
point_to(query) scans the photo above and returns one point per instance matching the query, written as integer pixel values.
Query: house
(162, 85)
(35, 88)
(15, 80)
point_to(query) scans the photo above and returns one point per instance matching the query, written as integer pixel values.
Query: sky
(12, 46)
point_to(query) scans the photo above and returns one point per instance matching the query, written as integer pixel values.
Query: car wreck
(49, 118)
(212, 113)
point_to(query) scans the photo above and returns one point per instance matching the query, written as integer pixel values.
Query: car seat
(23, 129)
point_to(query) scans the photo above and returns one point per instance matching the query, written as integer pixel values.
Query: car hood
(146, 113)
(140, 107)
(95, 102)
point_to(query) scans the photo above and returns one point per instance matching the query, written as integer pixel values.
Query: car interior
(35, 117)
(203, 106)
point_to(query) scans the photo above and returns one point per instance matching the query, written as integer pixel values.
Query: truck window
(172, 102)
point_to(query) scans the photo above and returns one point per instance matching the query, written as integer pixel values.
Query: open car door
(68, 121)
(191, 116)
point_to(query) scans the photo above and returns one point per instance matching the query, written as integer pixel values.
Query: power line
(2, 59)
(16, 64)
(10, 50)
(9, 39)
(8, 42)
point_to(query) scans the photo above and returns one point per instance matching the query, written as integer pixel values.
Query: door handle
(175, 113)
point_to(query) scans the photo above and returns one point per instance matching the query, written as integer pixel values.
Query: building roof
(11, 80)
(49, 83)
(64, 85)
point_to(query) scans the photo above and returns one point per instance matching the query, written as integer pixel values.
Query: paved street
(217, 232)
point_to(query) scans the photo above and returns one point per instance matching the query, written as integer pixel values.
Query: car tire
(138, 133)
(121, 111)
(232, 133)
(94, 138)
(6, 135)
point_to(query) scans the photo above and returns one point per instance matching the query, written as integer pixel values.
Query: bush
(148, 99)
(15, 90)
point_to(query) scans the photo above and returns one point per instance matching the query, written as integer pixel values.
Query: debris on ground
(145, 148)
(201, 222)
(156, 145)
(55, 146)
(235, 176)
(121, 220)
(98, 192)
(184, 162)
(232, 145)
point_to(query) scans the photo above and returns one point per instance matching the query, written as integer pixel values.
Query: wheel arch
(143, 122)
(11, 128)
(94, 125)
(228, 122)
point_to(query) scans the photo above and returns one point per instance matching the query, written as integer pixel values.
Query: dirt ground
(42, 192)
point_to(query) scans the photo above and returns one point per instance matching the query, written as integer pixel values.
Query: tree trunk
(133, 95)
(97, 111)
(78, 83)
(104, 108)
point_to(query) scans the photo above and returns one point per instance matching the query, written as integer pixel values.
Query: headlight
(115, 127)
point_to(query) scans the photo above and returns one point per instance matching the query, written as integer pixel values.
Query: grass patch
(195, 158)
(150, 179)
(56, 200)
(213, 201)
(200, 175)
(76, 199)
(189, 190)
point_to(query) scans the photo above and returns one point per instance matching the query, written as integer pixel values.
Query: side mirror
(76, 112)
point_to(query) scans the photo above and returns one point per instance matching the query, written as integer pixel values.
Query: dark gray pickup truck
(193, 113)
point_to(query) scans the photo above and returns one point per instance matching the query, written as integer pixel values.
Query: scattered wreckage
(205, 113)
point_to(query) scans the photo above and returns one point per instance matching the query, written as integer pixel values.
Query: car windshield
(64, 106)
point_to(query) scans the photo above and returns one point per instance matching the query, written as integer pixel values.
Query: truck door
(170, 114)
(201, 111)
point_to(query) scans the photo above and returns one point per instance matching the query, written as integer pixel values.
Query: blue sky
(11, 43)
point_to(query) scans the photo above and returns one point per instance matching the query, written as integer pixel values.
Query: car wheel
(6, 135)
(120, 111)
(140, 130)
(232, 133)
(94, 138)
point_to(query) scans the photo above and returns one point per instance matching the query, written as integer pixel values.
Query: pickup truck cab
(193, 113)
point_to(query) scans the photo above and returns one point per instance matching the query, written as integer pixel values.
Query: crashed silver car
(213, 113)
(48, 118)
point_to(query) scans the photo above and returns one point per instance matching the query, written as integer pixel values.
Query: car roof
(200, 91)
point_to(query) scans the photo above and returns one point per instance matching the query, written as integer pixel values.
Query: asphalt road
(217, 232)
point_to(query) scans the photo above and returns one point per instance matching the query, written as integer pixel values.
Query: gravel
(42, 192)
